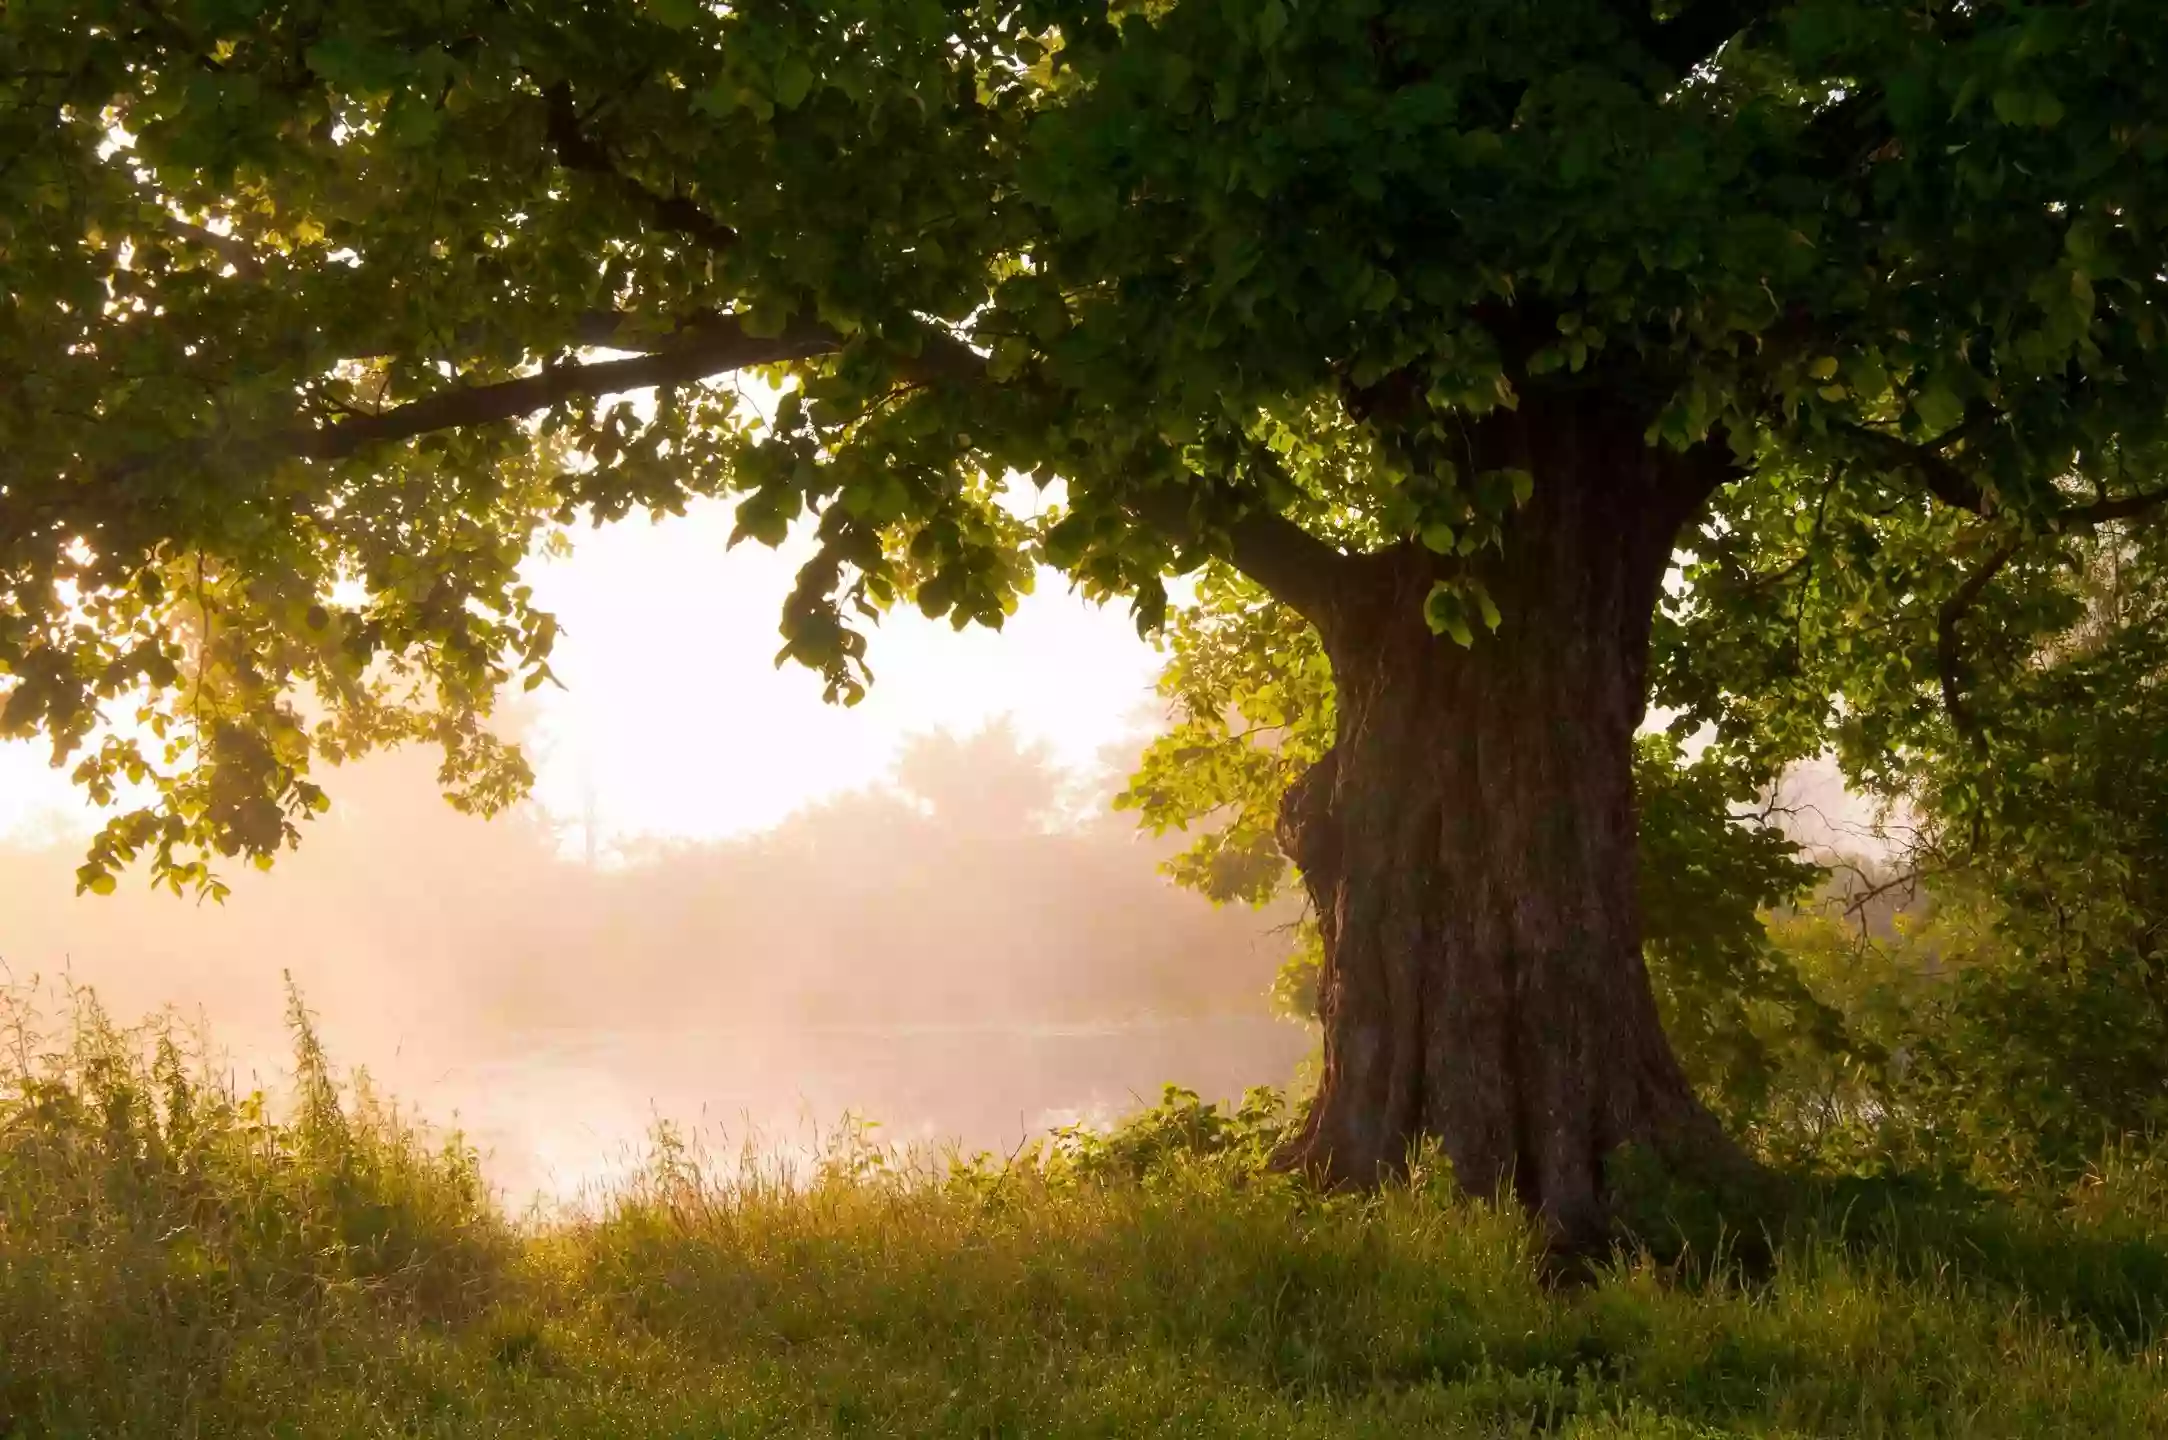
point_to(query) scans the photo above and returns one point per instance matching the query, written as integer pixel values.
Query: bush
(167, 1238)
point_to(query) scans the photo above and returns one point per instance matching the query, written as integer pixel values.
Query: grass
(179, 1260)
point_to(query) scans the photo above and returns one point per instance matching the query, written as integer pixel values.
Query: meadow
(180, 1259)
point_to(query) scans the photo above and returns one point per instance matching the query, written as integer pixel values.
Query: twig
(1948, 658)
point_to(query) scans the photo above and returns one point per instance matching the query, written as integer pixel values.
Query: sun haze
(675, 721)
(727, 900)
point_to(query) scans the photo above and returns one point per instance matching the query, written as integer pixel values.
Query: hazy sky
(678, 718)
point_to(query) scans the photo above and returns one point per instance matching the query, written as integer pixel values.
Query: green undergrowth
(177, 1259)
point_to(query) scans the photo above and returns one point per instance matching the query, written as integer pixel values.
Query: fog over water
(970, 951)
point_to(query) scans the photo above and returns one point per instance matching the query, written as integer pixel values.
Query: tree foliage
(2020, 1011)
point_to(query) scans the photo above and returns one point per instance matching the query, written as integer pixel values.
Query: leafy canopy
(322, 316)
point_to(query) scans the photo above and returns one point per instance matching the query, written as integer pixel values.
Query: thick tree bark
(1469, 845)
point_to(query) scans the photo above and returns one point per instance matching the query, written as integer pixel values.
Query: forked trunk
(1469, 847)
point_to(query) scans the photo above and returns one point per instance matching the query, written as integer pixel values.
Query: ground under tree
(1444, 325)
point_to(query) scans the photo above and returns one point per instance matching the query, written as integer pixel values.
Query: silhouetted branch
(1855, 902)
(1949, 483)
(580, 151)
(1287, 560)
(1858, 900)
(716, 347)
(1947, 656)
(1300, 570)
(1944, 479)
(2126, 507)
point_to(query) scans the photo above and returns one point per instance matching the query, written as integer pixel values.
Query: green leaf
(1938, 407)
(793, 82)
(1488, 606)
(2015, 105)
(1911, 98)
(676, 14)
(1445, 610)
(767, 317)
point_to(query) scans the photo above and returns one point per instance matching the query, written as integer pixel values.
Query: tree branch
(1944, 480)
(1857, 901)
(712, 347)
(1298, 569)
(1953, 487)
(577, 150)
(1294, 565)
(940, 357)
(1278, 554)
(2127, 507)
(1948, 658)
(1686, 479)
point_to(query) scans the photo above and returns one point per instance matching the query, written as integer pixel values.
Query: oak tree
(1445, 325)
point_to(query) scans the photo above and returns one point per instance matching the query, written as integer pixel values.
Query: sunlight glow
(675, 722)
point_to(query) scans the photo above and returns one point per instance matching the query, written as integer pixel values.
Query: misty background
(970, 950)
(728, 904)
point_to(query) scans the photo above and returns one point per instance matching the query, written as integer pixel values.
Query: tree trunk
(1469, 847)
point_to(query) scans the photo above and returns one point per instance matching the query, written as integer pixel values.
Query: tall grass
(180, 1259)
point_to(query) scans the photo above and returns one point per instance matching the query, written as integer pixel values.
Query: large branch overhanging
(1273, 550)
(701, 351)
(1952, 486)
